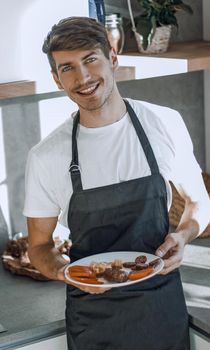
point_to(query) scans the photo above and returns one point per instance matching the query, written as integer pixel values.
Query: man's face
(86, 75)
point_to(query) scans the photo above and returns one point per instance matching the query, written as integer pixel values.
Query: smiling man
(105, 173)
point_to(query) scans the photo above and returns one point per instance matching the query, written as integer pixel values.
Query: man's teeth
(88, 90)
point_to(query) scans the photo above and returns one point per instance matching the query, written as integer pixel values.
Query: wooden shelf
(17, 88)
(125, 73)
(180, 58)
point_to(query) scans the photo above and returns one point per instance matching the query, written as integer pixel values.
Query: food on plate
(83, 274)
(136, 275)
(129, 264)
(88, 280)
(115, 271)
(115, 275)
(155, 262)
(100, 267)
(141, 259)
(81, 271)
(140, 266)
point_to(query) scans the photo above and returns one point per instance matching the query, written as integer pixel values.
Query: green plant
(156, 13)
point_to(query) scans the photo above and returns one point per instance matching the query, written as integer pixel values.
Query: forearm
(47, 259)
(42, 252)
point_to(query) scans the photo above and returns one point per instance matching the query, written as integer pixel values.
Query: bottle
(97, 10)
(114, 28)
(92, 9)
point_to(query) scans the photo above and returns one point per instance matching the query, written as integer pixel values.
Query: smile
(89, 91)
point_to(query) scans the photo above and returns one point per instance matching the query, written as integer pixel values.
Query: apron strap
(143, 139)
(74, 168)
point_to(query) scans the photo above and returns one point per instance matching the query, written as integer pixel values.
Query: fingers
(171, 263)
(171, 251)
(166, 270)
(164, 248)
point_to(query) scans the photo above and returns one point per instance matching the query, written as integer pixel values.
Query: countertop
(29, 309)
(32, 310)
(195, 273)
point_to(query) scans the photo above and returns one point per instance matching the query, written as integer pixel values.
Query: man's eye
(91, 59)
(66, 69)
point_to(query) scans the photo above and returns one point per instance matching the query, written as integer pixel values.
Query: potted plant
(152, 28)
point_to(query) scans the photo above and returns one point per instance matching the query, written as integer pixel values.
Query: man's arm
(195, 218)
(42, 252)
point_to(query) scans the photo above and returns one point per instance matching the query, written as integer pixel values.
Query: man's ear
(113, 58)
(57, 81)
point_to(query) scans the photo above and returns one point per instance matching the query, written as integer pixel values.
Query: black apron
(126, 216)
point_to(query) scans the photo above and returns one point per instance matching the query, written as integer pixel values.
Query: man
(122, 154)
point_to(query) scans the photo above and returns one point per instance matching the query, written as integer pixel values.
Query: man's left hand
(172, 251)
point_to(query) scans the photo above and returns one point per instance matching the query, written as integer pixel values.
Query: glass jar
(114, 28)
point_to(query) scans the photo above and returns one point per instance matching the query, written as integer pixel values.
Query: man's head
(75, 33)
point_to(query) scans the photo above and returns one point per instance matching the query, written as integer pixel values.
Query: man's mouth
(89, 90)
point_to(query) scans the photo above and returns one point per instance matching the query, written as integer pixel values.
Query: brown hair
(74, 33)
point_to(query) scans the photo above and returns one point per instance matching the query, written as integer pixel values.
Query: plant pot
(159, 42)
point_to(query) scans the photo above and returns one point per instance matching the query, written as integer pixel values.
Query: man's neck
(111, 112)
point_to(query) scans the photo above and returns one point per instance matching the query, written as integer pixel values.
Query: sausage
(129, 264)
(136, 275)
(87, 280)
(80, 271)
(140, 266)
(141, 259)
(154, 262)
(79, 268)
(87, 274)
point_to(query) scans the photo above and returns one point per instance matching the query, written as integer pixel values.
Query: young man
(121, 155)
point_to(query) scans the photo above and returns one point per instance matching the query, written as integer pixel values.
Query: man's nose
(82, 75)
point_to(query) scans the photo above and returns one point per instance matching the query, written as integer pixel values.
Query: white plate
(108, 257)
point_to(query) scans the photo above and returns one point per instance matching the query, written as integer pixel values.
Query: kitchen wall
(25, 120)
(184, 92)
(24, 25)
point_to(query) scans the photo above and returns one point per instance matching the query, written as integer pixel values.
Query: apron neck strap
(143, 140)
(74, 168)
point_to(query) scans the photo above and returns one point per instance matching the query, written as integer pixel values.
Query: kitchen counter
(195, 273)
(30, 310)
(34, 310)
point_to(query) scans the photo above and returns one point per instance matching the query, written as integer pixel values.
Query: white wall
(25, 24)
(11, 12)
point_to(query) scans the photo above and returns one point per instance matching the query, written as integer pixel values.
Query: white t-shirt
(108, 155)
